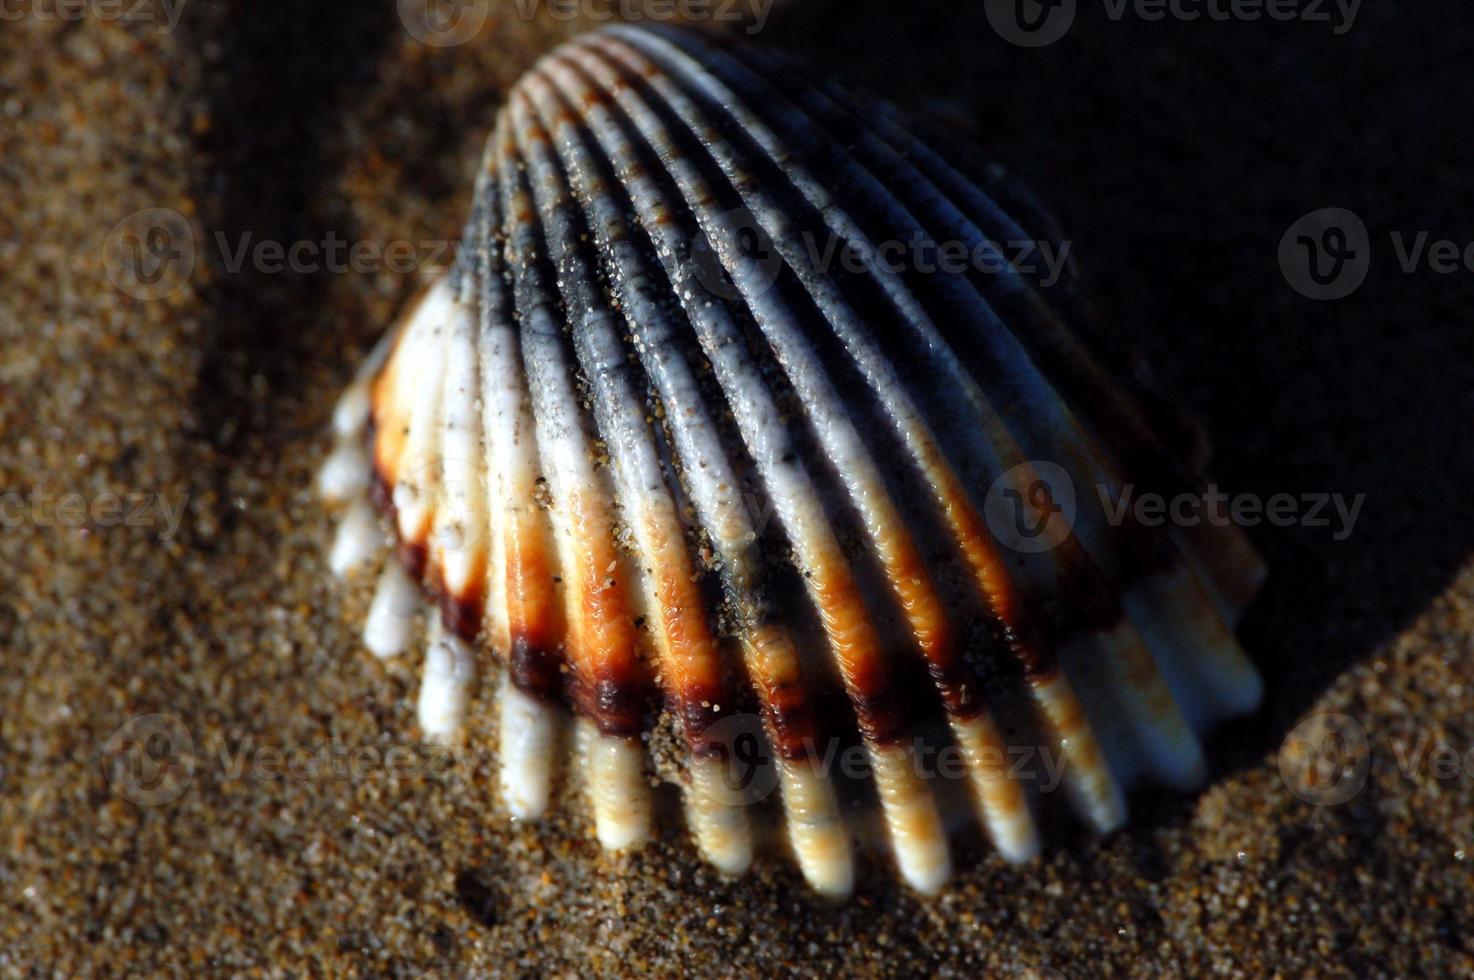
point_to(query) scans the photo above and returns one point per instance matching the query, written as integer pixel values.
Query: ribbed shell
(668, 461)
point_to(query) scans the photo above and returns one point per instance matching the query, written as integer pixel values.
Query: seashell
(665, 468)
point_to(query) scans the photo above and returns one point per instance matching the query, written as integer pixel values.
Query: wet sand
(1175, 155)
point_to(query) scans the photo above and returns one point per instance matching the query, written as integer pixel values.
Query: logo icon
(150, 254)
(1030, 23)
(444, 23)
(149, 760)
(748, 772)
(1031, 507)
(740, 240)
(452, 492)
(1326, 254)
(1325, 759)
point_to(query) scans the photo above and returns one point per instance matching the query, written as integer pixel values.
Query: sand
(1175, 155)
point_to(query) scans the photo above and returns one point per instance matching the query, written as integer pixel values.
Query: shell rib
(667, 464)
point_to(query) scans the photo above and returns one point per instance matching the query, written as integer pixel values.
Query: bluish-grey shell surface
(752, 423)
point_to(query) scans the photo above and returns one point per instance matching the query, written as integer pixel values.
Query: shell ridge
(667, 367)
(690, 669)
(525, 600)
(904, 566)
(1053, 692)
(456, 543)
(876, 191)
(417, 477)
(520, 533)
(858, 656)
(1233, 578)
(600, 647)
(818, 832)
(1061, 419)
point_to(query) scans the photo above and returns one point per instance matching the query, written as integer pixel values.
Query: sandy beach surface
(187, 613)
